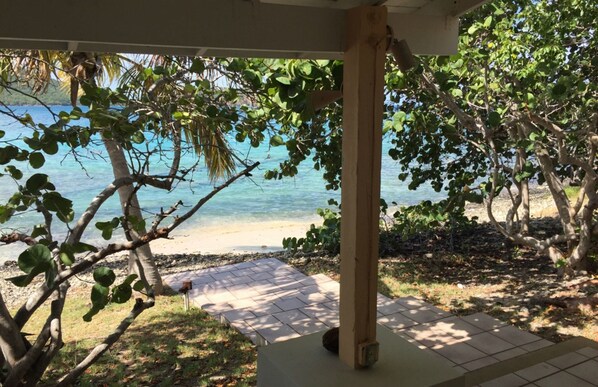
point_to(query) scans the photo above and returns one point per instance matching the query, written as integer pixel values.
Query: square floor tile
(263, 322)
(562, 379)
(537, 371)
(307, 327)
(567, 360)
(457, 327)
(536, 345)
(587, 370)
(483, 321)
(290, 303)
(510, 380)
(411, 302)
(488, 343)
(233, 315)
(265, 309)
(514, 335)
(396, 321)
(430, 337)
(386, 307)
(422, 315)
(290, 316)
(588, 352)
(278, 333)
(460, 353)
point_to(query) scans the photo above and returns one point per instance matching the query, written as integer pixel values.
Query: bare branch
(17, 237)
(43, 292)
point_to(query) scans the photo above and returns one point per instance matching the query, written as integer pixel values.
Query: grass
(165, 346)
(572, 192)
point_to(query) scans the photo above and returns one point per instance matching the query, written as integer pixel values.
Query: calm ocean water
(253, 199)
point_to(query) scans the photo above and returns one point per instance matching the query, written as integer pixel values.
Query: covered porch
(357, 31)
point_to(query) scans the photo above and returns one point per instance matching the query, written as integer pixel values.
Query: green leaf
(276, 141)
(63, 207)
(14, 172)
(31, 259)
(121, 293)
(50, 147)
(457, 93)
(494, 119)
(559, 89)
(93, 311)
(21, 280)
(38, 230)
(283, 80)
(130, 278)
(67, 259)
(139, 286)
(138, 137)
(99, 299)
(81, 247)
(212, 111)
(37, 182)
(488, 21)
(36, 160)
(197, 66)
(104, 276)
(67, 254)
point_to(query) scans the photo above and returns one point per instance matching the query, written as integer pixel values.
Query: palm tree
(38, 68)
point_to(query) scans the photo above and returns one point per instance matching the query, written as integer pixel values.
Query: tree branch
(138, 308)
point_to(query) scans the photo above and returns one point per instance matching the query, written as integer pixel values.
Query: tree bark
(125, 193)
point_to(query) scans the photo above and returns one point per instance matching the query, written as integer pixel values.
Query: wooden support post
(363, 105)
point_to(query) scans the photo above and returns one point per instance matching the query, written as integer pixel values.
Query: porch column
(363, 104)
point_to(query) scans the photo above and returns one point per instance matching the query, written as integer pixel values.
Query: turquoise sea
(254, 199)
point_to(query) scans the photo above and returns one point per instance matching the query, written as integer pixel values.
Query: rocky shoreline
(172, 263)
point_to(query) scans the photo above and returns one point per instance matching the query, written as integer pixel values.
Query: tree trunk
(524, 229)
(143, 253)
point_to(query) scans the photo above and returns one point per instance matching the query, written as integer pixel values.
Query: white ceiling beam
(461, 7)
(220, 27)
(454, 8)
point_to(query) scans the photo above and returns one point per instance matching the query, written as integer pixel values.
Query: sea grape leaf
(104, 276)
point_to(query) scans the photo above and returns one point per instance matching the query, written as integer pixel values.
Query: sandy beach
(236, 238)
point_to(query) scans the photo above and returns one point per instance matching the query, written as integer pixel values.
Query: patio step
(569, 363)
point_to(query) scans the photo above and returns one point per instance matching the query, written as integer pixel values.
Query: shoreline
(265, 236)
(236, 238)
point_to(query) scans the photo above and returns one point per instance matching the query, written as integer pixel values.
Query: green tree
(516, 105)
(172, 102)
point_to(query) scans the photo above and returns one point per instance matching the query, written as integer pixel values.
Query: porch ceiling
(244, 28)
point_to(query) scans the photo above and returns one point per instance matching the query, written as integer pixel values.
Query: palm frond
(210, 142)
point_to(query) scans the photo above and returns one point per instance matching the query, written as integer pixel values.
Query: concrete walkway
(269, 302)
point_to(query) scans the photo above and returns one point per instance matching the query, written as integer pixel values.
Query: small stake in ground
(187, 285)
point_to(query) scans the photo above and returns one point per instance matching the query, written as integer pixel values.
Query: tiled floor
(579, 368)
(270, 301)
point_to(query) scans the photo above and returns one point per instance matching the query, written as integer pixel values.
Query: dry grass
(165, 346)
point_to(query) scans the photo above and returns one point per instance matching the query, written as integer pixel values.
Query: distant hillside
(52, 96)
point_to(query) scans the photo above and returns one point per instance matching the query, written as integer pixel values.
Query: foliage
(516, 106)
(176, 103)
(319, 238)
(426, 216)
(53, 95)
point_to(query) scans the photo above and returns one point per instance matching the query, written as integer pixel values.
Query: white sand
(238, 238)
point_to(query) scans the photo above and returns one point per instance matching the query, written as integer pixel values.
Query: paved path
(269, 301)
